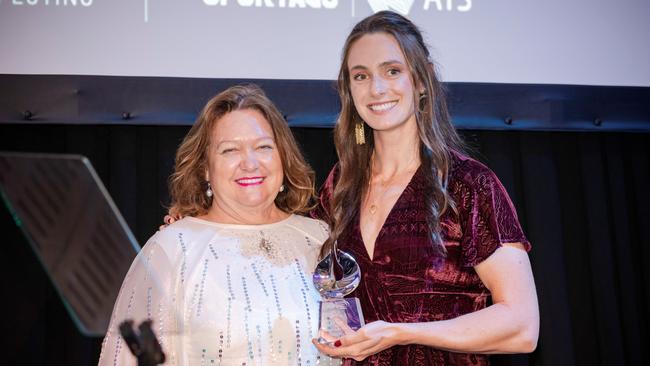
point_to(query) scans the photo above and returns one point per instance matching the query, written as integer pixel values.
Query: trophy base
(348, 310)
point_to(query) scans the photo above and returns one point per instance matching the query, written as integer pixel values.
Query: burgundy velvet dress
(406, 281)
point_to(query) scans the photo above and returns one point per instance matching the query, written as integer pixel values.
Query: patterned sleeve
(490, 217)
(145, 294)
(322, 211)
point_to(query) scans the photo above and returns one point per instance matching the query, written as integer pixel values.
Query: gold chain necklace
(385, 186)
(373, 207)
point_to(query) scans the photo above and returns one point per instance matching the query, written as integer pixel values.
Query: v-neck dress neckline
(357, 219)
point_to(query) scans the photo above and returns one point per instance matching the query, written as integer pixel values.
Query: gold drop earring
(359, 133)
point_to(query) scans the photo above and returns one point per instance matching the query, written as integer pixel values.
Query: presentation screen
(590, 42)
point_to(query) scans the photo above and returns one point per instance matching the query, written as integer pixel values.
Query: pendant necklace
(373, 207)
(385, 186)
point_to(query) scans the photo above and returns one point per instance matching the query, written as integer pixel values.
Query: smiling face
(244, 165)
(380, 82)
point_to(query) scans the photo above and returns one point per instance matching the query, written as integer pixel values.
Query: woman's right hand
(370, 339)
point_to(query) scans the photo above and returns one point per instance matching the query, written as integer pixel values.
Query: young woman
(445, 274)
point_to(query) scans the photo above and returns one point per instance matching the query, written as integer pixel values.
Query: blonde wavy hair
(187, 184)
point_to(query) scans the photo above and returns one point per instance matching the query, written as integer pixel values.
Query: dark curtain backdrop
(582, 198)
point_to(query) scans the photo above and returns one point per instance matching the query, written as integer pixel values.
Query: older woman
(229, 284)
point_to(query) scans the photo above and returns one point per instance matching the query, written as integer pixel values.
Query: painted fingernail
(337, 343)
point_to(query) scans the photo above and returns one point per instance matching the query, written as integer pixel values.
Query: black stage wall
(580, 187)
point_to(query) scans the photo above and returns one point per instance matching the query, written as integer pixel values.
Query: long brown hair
(437, 135)
(187, 184)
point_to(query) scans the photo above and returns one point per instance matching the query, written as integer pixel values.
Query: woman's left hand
(370, 339)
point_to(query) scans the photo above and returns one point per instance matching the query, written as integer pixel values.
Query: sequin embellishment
(265, 245)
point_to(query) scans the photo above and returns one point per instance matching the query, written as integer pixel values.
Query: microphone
(143, 345)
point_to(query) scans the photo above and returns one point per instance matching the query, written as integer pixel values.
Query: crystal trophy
(334, 304)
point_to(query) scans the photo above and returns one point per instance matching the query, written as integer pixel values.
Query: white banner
(594, 42)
